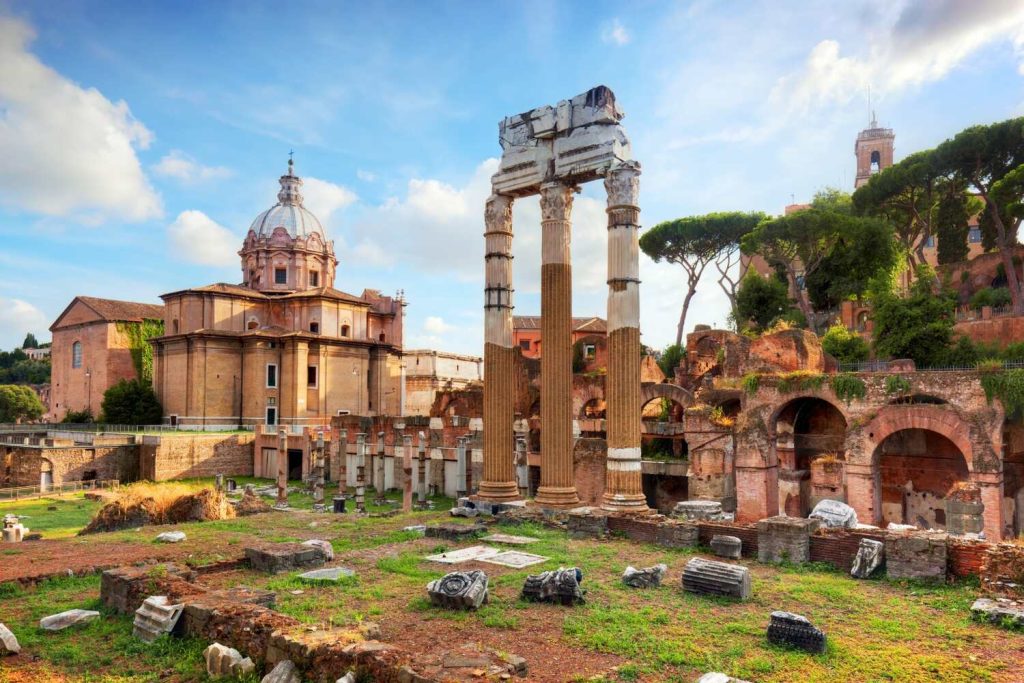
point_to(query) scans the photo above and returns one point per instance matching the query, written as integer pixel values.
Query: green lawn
(73, 512)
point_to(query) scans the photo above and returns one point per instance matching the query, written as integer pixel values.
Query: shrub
(1007, 386)
(131, 402)
(896, 384)
(844, 345)
(848, 386)
(750, 382)
(800, 380)
(19, 402)
(78, 417)
(991, 296)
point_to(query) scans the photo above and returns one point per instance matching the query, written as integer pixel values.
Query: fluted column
(623, 489)
(557, 481)
(499, 479)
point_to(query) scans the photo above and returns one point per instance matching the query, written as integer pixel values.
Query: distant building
(874, 149)
(428, 372)
(92, 350)
(37, 354)
(526, 333)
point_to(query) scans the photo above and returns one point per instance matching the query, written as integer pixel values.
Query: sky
(140, 139)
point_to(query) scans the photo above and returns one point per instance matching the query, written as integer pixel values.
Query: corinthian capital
(498, 213)
(622, 183)
(555, 201)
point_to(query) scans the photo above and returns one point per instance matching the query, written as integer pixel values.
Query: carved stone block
(459, 590)
(561, 586)
(792, 630)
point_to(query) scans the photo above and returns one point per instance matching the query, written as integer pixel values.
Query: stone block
(325, 547)
(704, 510)
(459, 590)
(171, 537)
(453, 532)
(72, 617)
(284, 672)
(560, 586)
(785, 539)
(676, 534)
(327, 575)
(123, 589)
(587, 522)
(870, 556)
(649, 577)
(716, 677)
(834, 514)
(8, 643)
(463, 511)
(709, 577)
(964, 517)
(226, 662)
(916, 555)
(795, 631)
(1001, 611)
(726, 546)
(283, 557)
(155, 617)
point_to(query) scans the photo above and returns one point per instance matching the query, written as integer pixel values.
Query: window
(589, 350)
(280, 276)
(311, 375)
(174, 325)
(314, 327)
(314, 278)
(252, 324)
(381, 337)
(271, 375)
(271, 416)
(974, 235)
(344, 330)
(876, 162)
(76, 355)
(524, 344)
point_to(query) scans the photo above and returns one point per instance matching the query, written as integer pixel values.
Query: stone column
(460, 467)
(318, 471)
(991, 484)
(499, 479)
(342, 450)
(407, 471)
(557, 480)
(623, 489)
(282, 469)
(361, 472)
(422, 488)
(381, 473)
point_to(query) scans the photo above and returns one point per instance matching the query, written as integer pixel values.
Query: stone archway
(803, 429)
(652, 390)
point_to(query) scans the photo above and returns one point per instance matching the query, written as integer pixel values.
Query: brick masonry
(183, 455)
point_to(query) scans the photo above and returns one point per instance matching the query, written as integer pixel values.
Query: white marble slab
(474, 552)
(515, 559)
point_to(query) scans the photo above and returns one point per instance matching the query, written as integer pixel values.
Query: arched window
(253, 324)
(381, 337)
(344, 330)
(174, 326)
(76, 355)
(876, 161)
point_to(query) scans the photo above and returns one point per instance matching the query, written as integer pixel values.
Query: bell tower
(874, 151)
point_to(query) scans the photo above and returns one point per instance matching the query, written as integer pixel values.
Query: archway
(804, 429)
(916, 468)
(663, 431)
(593, 409)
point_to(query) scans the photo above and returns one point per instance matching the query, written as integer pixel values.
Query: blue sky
(140, 139)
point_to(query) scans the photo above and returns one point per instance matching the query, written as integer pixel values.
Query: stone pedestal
(916, 555)
(785, 539)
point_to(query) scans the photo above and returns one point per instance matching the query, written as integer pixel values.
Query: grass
(73, 512)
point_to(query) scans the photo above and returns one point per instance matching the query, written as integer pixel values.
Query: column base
(557, 497)
(498, 491)
(632, 503)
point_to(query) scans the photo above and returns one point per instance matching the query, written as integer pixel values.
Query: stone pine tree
(951, 223)
(30, 342)
(730, 266)
(692, 243)
(986, 159)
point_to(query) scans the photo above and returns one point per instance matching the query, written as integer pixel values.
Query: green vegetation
(844, 345)
(750, 382)
(670, 359)
(918, 325)
(991, 296)
(19, 403)
(1007, 386)
(78, 417)
(131, 402)
(800, 380)
(18, 368)
(897, 384)
(138, 335)
(762, 302)
(73, 512)
(848, 387)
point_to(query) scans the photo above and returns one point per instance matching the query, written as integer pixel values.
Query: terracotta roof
(532, 322)
(124, 311)
(241, 290)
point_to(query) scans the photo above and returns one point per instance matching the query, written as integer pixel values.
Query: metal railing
(98, 428)
(883, 366)
(29, 492)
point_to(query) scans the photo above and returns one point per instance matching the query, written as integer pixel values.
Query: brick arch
(652, 390)
(581, 397)
(932, 418)
(773, 420)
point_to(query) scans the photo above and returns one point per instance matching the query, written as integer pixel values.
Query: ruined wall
(23, 466)
(589, 460)
(184, 455)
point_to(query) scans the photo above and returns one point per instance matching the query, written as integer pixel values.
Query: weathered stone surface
(726, 546)
(325, 547)
(347, 678)
(587, 522)
(792, 630)
(155, 617)
(462, 511)
(59, 622)
(677, 534)
(716, 677)
(453, 532)
(699, 510)
(473, 552)
(282, 557)
(965, 513)
(327, 575)
(123, 589)
(560, 586)
(785, 539)
(420, 529)
(509, 539)
(459, 590)
(870, 556)
(1002, 611)
(710, 577)
(284, 672)
(916, 555)
(835, 514)
(8, 643)
(514, 558)
(226, 662)
(648, 577)
(171, 537)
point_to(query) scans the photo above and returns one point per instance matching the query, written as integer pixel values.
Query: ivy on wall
(848, 386)
(1008, 387)
(138, 335)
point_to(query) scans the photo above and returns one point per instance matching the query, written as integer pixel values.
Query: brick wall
(746, 534)
(589, 458)
(181, 456)
(23, 466)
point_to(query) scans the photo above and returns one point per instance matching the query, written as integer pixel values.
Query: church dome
(288, 213)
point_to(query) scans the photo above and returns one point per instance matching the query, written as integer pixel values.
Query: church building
(284, 346)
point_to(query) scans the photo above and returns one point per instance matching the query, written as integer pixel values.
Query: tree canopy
(30, 342)
(131, 402)
(19, 403)
(918, 325)
(761, 302)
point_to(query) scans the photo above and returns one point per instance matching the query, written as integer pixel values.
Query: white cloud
(17, 318)
(366, 176)
(187, 170)
(67, 150)
(435, 325)
(614, 33)
(323, 198)
(920, 42)
(197, 238)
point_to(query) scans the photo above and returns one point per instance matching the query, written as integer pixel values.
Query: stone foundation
(916, 555)
(785, 539)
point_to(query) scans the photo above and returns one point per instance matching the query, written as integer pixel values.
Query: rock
(649, 577)
(1006, 613)
(870, 556)
(284, 672)
(453, 532)
(699, 510)
(281, 557)
(716, 677)
(155, 617)
(246, 667)
(222, 661)
(330, 574)
(420, 529)
(560, 586)
(324, 546)
(462, 511)
(834, 514)
(709, 577)
(587, 522)
(792, 630)
(901, 527)
(347, 678)
(726, 546)
(8, 643)
(459, 590)
(59, 622)
(171, 537)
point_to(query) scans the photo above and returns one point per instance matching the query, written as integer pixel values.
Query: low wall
(180, 456)
(23, 466)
